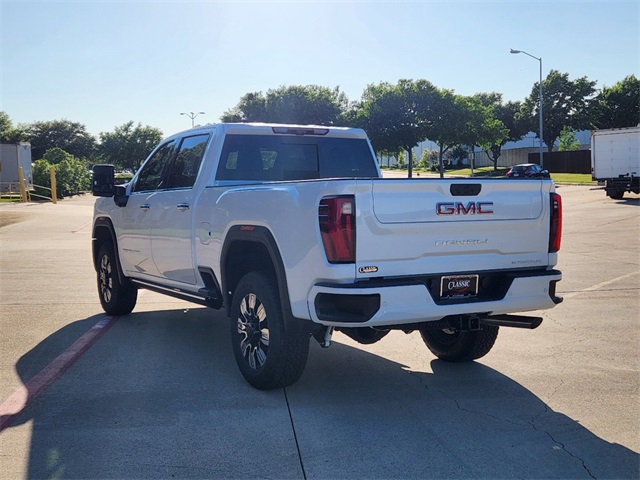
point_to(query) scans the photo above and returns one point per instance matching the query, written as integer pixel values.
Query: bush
(72, 176)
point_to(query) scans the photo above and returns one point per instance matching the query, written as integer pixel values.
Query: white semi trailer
(615, 160)
(12, 157)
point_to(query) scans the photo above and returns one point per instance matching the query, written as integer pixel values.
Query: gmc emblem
(459, 208)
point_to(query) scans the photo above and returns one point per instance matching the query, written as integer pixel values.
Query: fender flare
(103, 222)
(264, 237)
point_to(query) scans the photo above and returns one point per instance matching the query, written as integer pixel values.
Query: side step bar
(518, 321)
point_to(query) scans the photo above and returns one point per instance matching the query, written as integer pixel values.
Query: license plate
(457, 286)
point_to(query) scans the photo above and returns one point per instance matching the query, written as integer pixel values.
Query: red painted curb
(19, 399)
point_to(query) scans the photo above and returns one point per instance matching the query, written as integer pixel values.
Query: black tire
(460, 346)
(116, 297)
(616, 194)
(271, 350)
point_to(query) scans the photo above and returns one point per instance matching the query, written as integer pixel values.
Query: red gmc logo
(459, 208)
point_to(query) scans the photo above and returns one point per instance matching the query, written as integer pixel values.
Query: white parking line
(600, 285)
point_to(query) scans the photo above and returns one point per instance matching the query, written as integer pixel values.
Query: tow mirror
(103, 181)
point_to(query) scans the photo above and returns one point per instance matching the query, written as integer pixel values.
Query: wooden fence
(577, 161)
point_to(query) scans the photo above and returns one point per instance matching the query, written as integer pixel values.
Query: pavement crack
(295, 436)
(564, 449)
(562, 446)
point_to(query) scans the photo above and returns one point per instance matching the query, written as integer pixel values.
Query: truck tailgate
(414, 227)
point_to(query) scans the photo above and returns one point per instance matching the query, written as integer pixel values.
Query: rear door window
(184, 169)
(281, 158)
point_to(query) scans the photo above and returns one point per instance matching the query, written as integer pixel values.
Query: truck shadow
(160, 396)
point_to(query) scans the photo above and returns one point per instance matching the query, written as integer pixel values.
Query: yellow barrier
(23, 190)
(54, 196)
(24, 193)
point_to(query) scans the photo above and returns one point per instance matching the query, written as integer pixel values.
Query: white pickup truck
(293, 231)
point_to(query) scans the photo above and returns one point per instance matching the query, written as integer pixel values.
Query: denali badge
(459, 208)
(470, 241)
(370, 269)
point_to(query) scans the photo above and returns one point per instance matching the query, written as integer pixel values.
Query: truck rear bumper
(379, 304)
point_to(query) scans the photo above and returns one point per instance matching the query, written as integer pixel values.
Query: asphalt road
(158, 394)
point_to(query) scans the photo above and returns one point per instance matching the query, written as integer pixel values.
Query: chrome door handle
(183, 206)
(145, 206)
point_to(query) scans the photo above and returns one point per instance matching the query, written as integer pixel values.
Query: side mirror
(103, 181)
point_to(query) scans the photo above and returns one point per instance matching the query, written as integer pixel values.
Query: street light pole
(192, 115)
(540, 107)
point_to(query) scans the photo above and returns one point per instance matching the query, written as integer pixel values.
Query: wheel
(271, 350)
(460, 346)
(117, 298)
(616, 194)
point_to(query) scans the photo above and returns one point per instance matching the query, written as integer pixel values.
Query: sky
(104, 63)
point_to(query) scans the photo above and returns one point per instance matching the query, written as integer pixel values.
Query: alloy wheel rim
(106, 279)
(254, 331)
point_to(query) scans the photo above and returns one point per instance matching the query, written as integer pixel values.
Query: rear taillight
(336, 216)
(555, 230)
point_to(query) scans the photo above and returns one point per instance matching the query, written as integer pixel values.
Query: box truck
(615, 160)
(13, 156)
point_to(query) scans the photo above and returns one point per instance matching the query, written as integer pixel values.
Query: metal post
(54, 195)
(540, 112)
(192, 116)
(23, 190)
(540, 107)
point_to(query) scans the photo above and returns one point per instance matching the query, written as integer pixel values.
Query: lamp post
(192, 115)
(540, 108)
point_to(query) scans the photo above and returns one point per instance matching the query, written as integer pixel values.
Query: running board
(517, 321)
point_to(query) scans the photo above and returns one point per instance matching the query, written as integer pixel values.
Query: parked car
(527, 170)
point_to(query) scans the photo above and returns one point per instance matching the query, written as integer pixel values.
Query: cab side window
(151, 174)
(185, 167)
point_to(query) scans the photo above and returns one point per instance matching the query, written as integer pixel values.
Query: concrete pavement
(159, 394)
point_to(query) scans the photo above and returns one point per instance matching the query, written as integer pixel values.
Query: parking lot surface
(157, 394)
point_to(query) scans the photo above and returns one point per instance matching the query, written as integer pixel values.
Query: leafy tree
(565, 104)
(72, 137)
(619, 106)
(252, 107)
(428, 158)
(56, 155)
(128, 146)
(397, 117)
(304, 105)
(449, 125)
(568, 140)
(41, 172)
(507, 113)
(9, 133)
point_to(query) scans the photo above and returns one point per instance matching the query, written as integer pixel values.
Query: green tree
(568, 141)
(566, 103)
(128, 146)
(56, 155)
(41, 172)
(619, 106)
(449, 125)
(507, 113)
(72, 137)
(304, 105)
(8, 132)
(397, 117)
